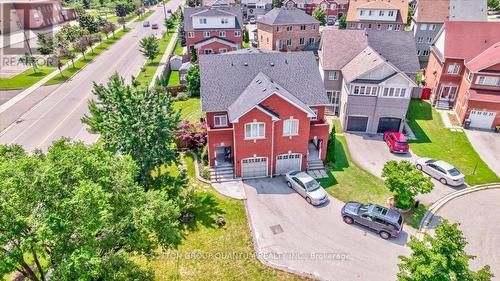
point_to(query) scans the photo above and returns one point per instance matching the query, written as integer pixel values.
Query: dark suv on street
(387, 222)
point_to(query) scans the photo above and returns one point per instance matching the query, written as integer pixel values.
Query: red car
(396, 141)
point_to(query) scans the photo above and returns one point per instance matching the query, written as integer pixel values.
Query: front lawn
(173, 78)
(190, 109)
(208, 252)
(26, 78)
(349, 182)
(436, 141)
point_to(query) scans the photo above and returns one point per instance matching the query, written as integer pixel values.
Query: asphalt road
(58, 115)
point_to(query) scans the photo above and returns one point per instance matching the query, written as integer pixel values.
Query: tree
(120, 10)
(169, 22)
(440, 258)
(55, 60)
(194, 54)
(28, 59)
(88, 23)
(65, 53)
(405, 182)
(81, 46)
(45, 44)
(193, 135)
(86, 4)
(77, 213)
(330, 152)
(343, 22)
(320, 15)
(193, 80)
(149, 47)
(277, 3)
(139, 12)
(246, 36)
(494, 5)
(71, 32)
(410, 15)
(136, 122)
(122, 21)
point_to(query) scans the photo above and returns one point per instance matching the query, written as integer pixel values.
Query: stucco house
(377, 14)
(287, 29)
(369, 77)
(264, 111)
(465, 77)
(213, 30)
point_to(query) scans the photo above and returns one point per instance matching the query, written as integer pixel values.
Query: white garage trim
(288, 162)
(258, 166)
(481, 118)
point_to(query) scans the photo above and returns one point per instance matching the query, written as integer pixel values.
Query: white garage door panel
(288, 162)
(481, 119)
(254, 167)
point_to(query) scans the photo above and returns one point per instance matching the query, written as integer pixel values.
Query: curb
(434, 208)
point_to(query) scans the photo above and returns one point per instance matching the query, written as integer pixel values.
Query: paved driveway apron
(371, 153)
(293, 235)
(487, 145)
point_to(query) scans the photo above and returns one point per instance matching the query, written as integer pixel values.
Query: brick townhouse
(334, 9)
(377, 14)
(265, 112)
(287, 29)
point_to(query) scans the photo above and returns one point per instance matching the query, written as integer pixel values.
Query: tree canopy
(149, 47)
(136, 122)
(319, 14)
(76, 213)
(193, 80)
(440, 258)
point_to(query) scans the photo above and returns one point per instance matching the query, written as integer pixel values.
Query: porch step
(443, 104)
(222, 174)
(315, 164)
(222, 170)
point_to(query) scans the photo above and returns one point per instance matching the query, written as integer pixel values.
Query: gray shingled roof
(339, 47)
(260, 88)
(280, 16)
(212, 12)
(365, 61)
(225, 77)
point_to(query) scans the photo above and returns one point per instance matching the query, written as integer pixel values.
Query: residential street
(58, 115)
(315, 240)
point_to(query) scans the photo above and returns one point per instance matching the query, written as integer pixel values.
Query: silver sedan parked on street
(440, 170)
(307, 187)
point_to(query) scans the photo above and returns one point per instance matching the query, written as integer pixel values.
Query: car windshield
(454, 172)
(430, 161)
(312, 185)
(401, 143)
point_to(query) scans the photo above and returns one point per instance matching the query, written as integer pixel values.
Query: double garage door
(481, 119)
(288, 162)
(254, 167)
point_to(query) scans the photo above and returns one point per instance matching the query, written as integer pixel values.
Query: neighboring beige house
(377, 14)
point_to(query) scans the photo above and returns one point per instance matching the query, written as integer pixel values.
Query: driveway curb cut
(424, 223)
(270, 263)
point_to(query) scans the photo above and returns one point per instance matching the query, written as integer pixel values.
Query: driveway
(479, 224)
(295, 236)
(371, 153)
(487, 145)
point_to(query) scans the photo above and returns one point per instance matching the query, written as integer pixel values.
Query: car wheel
(419, 167)
(384, 235)
(308, 200)
(289, 184)
(443, 181)
(348, 220)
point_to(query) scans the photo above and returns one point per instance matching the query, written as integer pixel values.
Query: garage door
(288, 162)
(481, 119)
(388, 124)
(254, 167)
(357, 123)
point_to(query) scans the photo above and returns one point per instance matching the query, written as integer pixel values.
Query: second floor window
(220, 120)
(488, 81)
(290, 127)
(381, 13)
(203, 21)
(289, 28)
(302, 41)
(302, 27)
(206, 34)
(237, 33)
(469, 76)
(224, 20)
(255, 130)
(333, 75)
(222, 34)
(391, 13)
(289, 42)
(453, 69)
(190, 34)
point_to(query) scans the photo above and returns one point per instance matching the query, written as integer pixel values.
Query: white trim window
(423, 26)
(302, 41)
(222, 50)
(206, 34)
(220, 121)
(394, 92)
(315, 118)
(432, 26)
(333, 75)
(255, 130)
(428, 40)
(203, 21)
(398, 27)
(420, 39)
(425, 53)
(222, 34)
(224, 20)
(488, 81)
(391, 13)
(469, 76)
(237, 33)
(190, 34)
(291, 127)
(364, 90)
(453, 68)
(208, 51)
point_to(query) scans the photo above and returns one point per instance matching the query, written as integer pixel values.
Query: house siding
(268, 36)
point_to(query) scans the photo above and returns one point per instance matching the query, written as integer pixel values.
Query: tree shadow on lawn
(340, 164)
(205, 212)
(419, 110)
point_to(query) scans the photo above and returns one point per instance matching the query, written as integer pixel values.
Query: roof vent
(272, 63)
(246, 63)
(263, 90)
(286, 61)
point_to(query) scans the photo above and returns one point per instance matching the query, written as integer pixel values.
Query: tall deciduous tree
(89, 23)
(77, 212)
(320, 15)
(193, 80)
(440, 258)
(149, 47)
(343, 22)
(136, 122)
(45, 44)
(405, 182)
(494, 5)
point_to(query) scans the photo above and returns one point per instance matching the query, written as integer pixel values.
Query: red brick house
(377, 14)
(287, 29)
(213, 30)
(334, 9)
(263, 118)
(463, 73)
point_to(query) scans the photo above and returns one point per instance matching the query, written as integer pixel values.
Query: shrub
(330, 152)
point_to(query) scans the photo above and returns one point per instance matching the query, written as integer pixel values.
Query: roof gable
(400, 5)
(279, 16)
(486, 59)
(189, 12)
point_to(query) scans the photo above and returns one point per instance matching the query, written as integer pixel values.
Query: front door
(448, 92)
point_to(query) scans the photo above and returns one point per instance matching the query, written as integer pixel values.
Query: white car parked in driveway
(440, 170)
(307, 187)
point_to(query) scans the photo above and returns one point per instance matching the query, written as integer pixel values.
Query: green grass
(26, 78)
(173, 78)
(202, 238)
(190, 109)
(82, 62)
(179, 50)
(414, 217)
(436, 141)
(246, 45)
